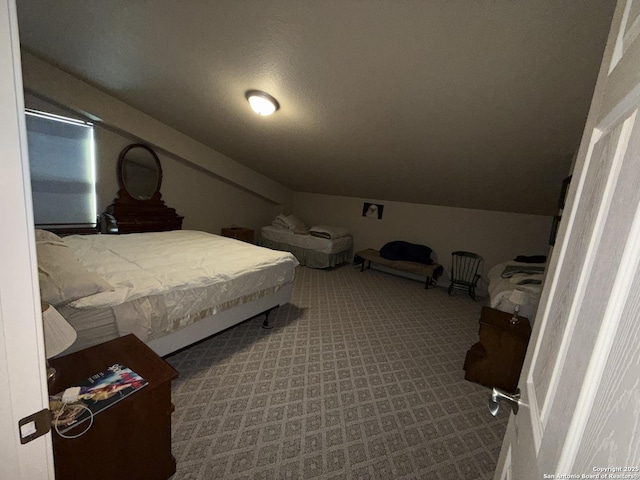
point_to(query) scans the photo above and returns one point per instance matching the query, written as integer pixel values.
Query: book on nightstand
(97, 393)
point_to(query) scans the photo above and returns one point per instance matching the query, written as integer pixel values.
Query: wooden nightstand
(239, 233)
(131, 439)
(496, 360)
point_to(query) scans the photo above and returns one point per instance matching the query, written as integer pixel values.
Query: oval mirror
(139, 172)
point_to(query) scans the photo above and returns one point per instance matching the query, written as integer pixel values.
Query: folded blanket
(511, 270)
(530, 281)
(323, 231)
(531, 258)
(524, 279)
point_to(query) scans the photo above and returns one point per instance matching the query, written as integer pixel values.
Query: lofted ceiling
(475, 104)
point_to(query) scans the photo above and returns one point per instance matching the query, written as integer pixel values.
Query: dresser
(239, 233)
(130, 439)
(138, 206)
(496, 360)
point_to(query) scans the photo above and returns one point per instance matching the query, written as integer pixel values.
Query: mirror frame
(123, 188)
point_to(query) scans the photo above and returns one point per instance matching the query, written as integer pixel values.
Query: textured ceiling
(477, 104)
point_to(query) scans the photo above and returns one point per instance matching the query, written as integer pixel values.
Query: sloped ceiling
(476, 104)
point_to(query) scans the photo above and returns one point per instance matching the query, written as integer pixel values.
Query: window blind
(61, 162)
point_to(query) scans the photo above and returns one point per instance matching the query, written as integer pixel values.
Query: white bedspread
(193, 273)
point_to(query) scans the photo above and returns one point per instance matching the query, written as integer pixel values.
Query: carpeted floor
(360, 378)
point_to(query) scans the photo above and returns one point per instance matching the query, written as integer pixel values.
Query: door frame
(22, 358)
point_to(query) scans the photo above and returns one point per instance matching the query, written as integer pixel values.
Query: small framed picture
(561, 203)
(372, 210)
(554, 230)
(563, 193)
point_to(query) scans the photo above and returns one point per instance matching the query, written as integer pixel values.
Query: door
(23, 388)
(580, 384)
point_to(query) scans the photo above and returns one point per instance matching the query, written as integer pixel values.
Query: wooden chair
(464, 272)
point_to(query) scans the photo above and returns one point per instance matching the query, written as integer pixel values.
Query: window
(61, 161)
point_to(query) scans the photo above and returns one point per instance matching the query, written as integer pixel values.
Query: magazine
(98, 392)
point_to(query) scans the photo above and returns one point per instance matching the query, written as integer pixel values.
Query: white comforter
(191, 271)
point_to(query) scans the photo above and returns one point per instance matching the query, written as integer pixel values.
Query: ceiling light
(262, 103)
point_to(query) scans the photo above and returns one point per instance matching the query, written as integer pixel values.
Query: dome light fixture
(262, 103)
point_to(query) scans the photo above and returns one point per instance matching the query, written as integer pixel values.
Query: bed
(170, 289)
(506, 277)
(319, 246)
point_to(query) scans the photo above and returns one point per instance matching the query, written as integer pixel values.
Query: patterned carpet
(360, 378)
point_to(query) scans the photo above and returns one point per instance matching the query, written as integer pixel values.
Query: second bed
(311, 251)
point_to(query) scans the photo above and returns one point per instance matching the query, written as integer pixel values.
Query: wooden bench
(430, 272)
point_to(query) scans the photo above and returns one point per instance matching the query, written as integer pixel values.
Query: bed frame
(208, 326)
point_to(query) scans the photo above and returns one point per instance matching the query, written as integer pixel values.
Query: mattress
(164, 281)
(500, 288)
(309, 242)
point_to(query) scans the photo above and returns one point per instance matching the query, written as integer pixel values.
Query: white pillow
(62, 278)
(295, 223)
(291, 222)
(280, 221)
(46, 236)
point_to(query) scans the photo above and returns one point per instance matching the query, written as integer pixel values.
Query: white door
(23, 388)
(581, 379)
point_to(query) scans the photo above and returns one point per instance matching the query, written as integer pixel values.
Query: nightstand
(496, 360)
(239, 233)
(130, 439)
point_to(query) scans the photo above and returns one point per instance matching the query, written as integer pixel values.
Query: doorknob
(497, 395)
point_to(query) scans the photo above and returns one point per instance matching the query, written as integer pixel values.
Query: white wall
(496, 236)
(208, 201)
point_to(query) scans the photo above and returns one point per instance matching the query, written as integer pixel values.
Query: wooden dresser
(496, 360)
(138, 206)
(138, 217)
(130, 439)
(239, 233)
